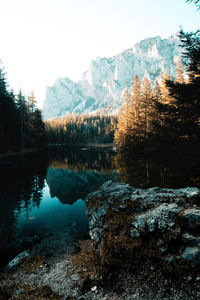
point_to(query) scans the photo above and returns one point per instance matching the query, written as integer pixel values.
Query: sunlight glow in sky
(41, 40)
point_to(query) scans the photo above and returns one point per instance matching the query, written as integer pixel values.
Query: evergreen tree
(165, 95)
(121, 134)
(157, 119)
(165, 107)
(187, 95)
(75, 129)
(148, 111)
(195, 2)
(8, 116)
(135, 117)
(32, 102)
(179, 72)
(21, 106)
(135, 121)
(39, 127)
(21, 125)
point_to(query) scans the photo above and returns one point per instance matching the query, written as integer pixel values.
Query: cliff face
(103, 84)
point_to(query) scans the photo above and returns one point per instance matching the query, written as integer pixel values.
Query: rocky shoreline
(145, 244)
(156, 223)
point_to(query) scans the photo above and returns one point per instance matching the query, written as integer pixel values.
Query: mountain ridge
(103, 84)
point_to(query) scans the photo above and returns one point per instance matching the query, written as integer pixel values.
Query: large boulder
(157, 224)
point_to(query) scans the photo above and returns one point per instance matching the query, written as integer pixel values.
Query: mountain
(102, 86)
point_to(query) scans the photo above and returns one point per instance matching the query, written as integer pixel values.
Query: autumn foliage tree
(169, 114)
(84, 128)
(121, 134)
(135, 118)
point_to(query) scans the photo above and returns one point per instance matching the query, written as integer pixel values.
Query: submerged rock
(160, 224)
(15, 262)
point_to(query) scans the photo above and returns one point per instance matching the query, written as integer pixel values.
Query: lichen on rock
(156, 223)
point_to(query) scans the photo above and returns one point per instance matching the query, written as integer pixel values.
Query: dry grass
(33, 263)
(86, 262)
(28, 293)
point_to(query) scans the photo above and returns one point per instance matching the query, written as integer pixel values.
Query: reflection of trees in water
(75, 159)
(29, 176)
(73, 173)
(31, 192)
(172, 168)
(21, 184)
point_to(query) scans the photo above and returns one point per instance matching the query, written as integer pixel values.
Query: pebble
(19, 291)
(75, 277)
(94, 288)
(198, 278)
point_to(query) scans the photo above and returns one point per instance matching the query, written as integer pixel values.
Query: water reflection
(164, 168)
(21, 185)
(72, 173)
(40, 194)
(80, 159)
(36, 190)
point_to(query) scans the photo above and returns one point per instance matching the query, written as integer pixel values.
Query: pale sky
(41, 40)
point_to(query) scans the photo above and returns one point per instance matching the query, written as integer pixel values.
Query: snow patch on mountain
(103, 85)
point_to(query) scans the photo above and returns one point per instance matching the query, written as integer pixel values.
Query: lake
(42, 194)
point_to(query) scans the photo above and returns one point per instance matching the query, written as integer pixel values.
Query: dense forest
(21, 125)
(167, 113)
(77, 129)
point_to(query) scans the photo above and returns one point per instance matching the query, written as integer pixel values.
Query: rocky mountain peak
(104, 82)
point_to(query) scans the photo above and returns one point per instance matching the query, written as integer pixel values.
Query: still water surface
(43, 194)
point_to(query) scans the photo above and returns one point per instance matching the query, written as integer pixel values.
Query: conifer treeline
(146, 113)
(21, 125)
(168, 114)
(84, 128)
